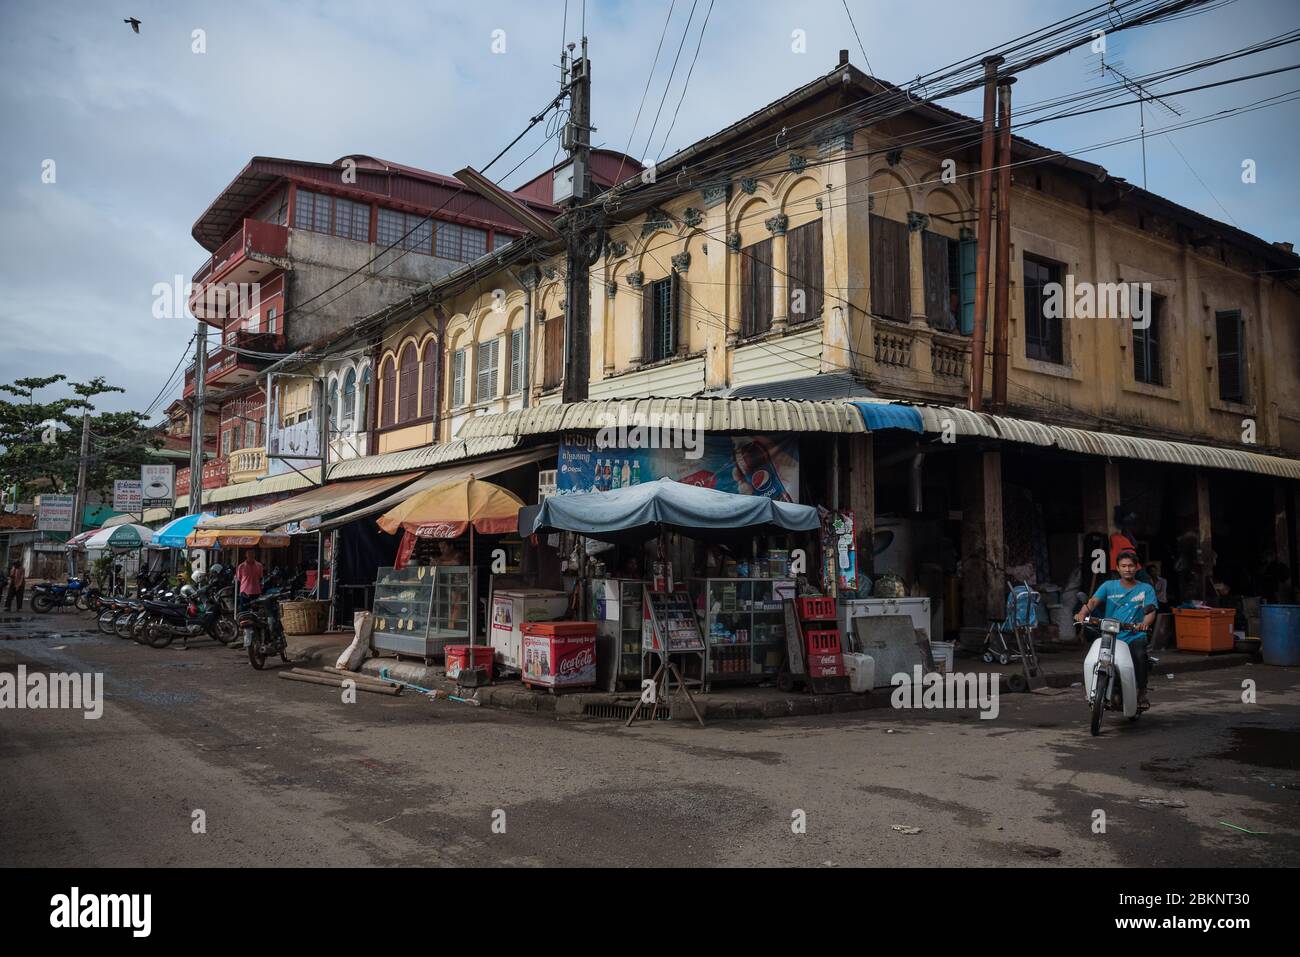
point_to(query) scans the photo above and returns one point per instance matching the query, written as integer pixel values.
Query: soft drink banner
(748, 464)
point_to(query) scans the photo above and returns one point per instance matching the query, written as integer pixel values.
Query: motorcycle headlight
(1110, 626)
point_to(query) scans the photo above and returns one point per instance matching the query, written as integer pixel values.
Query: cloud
(146, 133)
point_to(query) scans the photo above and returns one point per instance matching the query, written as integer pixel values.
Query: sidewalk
(1061, 668)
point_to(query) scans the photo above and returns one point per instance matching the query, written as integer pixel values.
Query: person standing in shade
(248, 578)
(17, 581)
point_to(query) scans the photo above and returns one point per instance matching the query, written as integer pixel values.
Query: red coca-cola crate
(826, 665)
(558, 654)
(816, 608)
(824, 653)
(468, 656)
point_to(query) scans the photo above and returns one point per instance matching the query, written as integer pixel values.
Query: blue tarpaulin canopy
(639, 511)
(174, 533)
(890, 415)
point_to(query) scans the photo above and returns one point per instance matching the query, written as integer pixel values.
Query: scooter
(259, 623)
(1108, 674)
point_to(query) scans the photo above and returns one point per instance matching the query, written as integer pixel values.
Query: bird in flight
(135, 24)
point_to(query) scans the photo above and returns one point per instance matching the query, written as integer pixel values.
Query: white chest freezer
(916, 609)
(513, 607)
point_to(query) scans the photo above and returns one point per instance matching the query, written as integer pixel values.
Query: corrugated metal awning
(426, 456)
(482, 468)
(957, 421)
(716, 415)
(310, 506)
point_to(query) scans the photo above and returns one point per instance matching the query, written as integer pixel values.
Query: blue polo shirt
(1128, 605)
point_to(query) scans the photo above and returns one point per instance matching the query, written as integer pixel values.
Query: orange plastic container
(1204, 629)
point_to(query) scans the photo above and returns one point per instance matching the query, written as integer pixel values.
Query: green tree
(40, 438)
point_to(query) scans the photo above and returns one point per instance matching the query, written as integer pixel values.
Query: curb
(573, 705)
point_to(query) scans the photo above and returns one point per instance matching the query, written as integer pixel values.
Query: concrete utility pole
(1002, 277)
(585, 232)
(198, 419)
(79, 502)
(983, 236)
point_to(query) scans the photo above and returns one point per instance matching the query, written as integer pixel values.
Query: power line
(686, 85)
(859, 38)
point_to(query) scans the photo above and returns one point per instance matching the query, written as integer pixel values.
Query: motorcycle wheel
(42, 603)
(284, 653)
(255, 658)
(139, 627)
(105, 622)
(225, 631)
(1099, 694)
(83, 602)
(122, 624)
(158, 635)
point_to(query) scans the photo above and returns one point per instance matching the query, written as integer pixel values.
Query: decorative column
(636, 281)
(780, 281)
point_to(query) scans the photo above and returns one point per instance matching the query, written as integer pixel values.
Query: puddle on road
(1264, 747)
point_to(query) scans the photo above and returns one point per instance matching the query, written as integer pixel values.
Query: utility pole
(198, 419)
(79, 502)
(585, 232)
(983, 236)
(1002, 276)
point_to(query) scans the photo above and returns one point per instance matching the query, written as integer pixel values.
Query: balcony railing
(917, 359)
(256, 237)
(247, 465)
(214, 476)
(223, 359)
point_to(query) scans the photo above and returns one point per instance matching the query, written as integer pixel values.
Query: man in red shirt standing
(248, 577)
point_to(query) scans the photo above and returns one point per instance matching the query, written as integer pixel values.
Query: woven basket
(304, 617)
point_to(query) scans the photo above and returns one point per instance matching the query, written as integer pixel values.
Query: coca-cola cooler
(559, 654)
(514, 607)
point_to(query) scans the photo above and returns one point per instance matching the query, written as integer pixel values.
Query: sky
(144, 131)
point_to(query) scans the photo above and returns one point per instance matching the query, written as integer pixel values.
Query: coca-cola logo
(439, 530)
(578, 661)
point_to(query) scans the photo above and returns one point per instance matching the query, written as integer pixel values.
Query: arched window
(429, 373)
(387, 391)
(348, 406)
(408, 386)
(365, 395)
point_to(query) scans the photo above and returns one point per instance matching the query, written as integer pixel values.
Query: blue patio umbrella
(174, 533)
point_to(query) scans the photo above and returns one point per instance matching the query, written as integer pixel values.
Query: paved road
(286, 774)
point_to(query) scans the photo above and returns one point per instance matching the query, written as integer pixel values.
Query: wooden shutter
(553, 334)
(1231, 354)
(388, 388)
(408, 385)
(648, 322)
(804, 270)
(890, 277)
(680, 334)
(934, 260)
(516, 361)
(756, 289)
(428, 378)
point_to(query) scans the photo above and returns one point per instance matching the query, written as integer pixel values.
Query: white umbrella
(119, 536)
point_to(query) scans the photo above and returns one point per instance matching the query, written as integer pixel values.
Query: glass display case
(615, 605)
(743, 620)
(420, 609)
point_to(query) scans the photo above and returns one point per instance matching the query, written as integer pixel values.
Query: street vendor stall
(424, 603)
(745, 632)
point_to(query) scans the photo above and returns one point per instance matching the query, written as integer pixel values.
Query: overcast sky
(144, 132)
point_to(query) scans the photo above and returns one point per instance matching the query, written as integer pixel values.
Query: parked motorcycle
(192, 613)
(259, 624)
(48, 595)
(1108, 673)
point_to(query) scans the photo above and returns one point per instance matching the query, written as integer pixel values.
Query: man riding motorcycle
(1133, 603)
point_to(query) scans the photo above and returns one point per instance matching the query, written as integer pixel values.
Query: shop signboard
(748, 464)
(158, 486)
(54, 512)
(128, 494)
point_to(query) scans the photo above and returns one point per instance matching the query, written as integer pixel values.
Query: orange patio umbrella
(448, 510)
